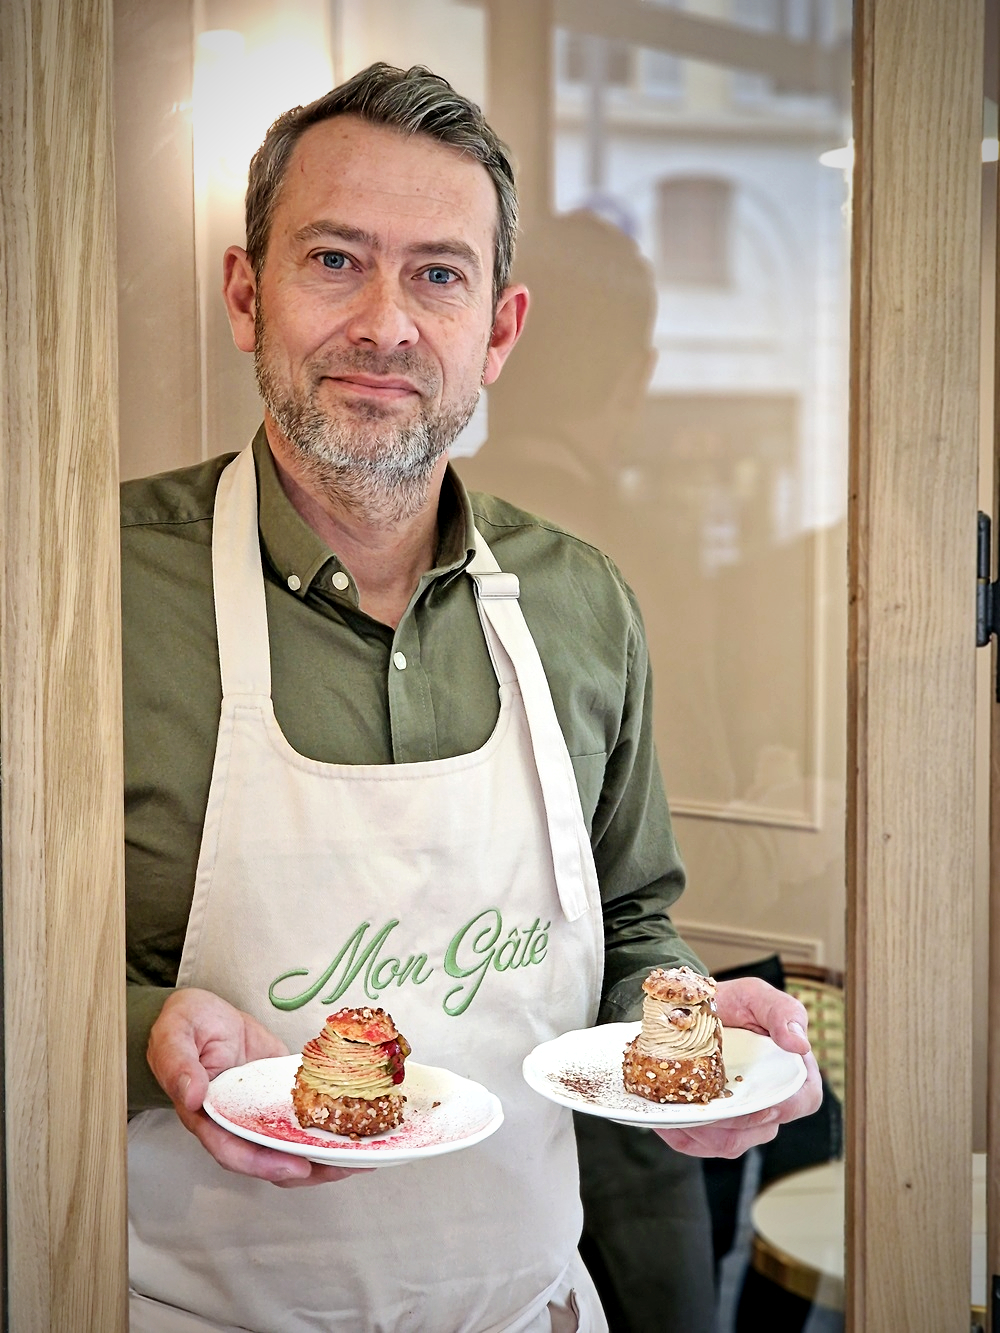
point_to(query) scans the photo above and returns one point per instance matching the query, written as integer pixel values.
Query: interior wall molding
(807, 816)
(716, 940)
(740, 812)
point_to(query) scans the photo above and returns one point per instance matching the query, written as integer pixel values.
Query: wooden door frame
(993, 995)
(60, 677)
(913, 501)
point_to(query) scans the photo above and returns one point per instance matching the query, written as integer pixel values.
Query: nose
(379, 318)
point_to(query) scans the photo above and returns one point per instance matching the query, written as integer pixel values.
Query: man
(392, 798)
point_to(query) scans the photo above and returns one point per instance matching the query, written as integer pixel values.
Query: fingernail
(183, 1083)
(797, 1027)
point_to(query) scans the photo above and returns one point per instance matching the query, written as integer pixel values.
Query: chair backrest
(821, 991)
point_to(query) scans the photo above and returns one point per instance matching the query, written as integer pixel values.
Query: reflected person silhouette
(563, 430)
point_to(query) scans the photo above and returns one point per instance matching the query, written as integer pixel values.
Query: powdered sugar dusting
(443, 1112)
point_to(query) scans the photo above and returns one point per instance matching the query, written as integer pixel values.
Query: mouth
(380, 388)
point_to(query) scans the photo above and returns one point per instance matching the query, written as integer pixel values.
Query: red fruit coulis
(394, 1055)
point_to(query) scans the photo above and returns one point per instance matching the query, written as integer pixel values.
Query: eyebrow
(447, 247)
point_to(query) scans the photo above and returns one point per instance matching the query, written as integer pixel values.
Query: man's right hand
(197, 1036)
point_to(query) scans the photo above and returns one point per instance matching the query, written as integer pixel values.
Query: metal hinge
(987, 592)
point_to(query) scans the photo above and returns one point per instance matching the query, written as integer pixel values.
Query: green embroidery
(471, 952)
(523, 949)
(398, 971)
(348, 955)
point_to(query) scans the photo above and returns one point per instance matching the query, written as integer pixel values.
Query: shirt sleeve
(142, 1009)
(638, 864)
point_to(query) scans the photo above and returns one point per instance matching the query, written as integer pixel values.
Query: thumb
(190, 1088)
(799, 1041)
(173, 1058)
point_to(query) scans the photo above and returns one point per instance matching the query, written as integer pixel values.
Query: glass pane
(680, 400)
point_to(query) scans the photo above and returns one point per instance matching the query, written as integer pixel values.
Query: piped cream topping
(336, 1066)
(677, 1031)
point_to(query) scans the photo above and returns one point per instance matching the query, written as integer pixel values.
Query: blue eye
(440, 276)
(333, 259)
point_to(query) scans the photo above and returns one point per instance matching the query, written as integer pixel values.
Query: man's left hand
(751, 1003)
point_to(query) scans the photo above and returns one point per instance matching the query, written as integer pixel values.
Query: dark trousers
(647, 1231)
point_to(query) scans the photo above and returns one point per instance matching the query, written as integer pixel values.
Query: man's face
(373, 311)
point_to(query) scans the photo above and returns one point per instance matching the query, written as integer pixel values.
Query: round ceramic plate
(583, 1070)
(443, 1113)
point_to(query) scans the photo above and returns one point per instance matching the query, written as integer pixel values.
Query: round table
(798, 1225)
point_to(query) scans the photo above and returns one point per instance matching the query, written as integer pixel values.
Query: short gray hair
(412, 101)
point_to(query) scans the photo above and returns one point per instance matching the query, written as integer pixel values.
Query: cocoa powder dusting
(583, 1085)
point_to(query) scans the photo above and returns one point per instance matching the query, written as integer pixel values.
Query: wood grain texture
(60, 694)
(993, 984)
(918, 110)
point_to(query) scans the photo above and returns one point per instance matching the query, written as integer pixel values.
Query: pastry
(350, 1075)
(677, 1055)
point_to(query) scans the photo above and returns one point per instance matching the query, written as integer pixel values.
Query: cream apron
(459, 894)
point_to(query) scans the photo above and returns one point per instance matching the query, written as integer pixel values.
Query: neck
(386, 545)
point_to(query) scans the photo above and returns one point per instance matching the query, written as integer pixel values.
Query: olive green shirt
(338, 700)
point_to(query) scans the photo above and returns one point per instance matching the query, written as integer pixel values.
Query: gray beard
(371, 465)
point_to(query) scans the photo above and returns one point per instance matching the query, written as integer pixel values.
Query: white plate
(583, 1070)
(443, 1113)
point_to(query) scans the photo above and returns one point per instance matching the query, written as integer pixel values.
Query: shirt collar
(299, 556)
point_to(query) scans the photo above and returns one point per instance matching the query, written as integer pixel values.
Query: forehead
(406, 188)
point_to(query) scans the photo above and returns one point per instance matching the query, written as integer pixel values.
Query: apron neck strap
(238, 582)
(497, 596)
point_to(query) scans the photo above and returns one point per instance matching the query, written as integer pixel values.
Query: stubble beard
(369, 463)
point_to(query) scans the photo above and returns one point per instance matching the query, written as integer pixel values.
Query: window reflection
(680, 400)
(694, 232)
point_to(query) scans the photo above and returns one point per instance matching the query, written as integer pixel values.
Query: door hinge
(987, 591)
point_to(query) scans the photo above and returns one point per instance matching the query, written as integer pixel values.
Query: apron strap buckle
(494, 587)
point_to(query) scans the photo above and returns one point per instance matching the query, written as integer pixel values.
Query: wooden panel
(60, 708)
(918, 109)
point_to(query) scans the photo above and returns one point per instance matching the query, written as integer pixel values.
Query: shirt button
(294, 582)
(399, 661)
(340, 580)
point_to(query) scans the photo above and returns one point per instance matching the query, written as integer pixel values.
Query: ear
(239, 291)
(507, 325)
